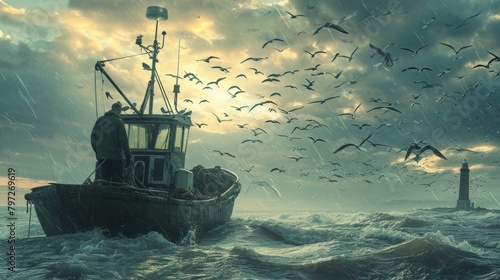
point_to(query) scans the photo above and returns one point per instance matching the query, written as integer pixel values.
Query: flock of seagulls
(378, 116)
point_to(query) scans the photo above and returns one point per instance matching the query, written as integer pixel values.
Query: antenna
(157, 14)
(177, 87)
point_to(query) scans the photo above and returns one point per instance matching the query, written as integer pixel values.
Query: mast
(158, 14)
(177, 87)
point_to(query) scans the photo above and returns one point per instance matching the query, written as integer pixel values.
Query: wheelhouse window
(181, 139)
(137, 136)
(162, 141)
(148, 136)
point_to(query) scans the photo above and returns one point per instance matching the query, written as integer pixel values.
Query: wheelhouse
(158, 144)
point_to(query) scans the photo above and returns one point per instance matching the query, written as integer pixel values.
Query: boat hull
(129, 211)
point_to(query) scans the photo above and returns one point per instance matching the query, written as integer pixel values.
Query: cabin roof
(177, 118)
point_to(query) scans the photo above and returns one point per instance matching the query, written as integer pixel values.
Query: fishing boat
(159, 194)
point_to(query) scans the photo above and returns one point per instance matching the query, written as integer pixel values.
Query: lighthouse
(463, 202)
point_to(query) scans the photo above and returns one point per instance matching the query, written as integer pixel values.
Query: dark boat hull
(129, 211)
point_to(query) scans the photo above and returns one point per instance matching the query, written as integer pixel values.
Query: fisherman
(110, 144)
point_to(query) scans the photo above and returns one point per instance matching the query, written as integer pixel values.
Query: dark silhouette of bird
(495, 58)
(429, 184)
(272, 40)
(316, 139)
(385, 108)
(201, 124)
(272, 121)
(270, 80)
(239, 108)
(387, 56)
(223, 69)
(216, 82)
(315, 68)
(146, 67)
(108, 95)
(252, 140)
(262, 103)
(453, 48)
(361, 126)
(220, 120)
(241, 125)
(294, 16)
(241, 76)
(295, 158)
(324, 100)
(204, 101)
(256, 71)
(330, 26)
(257, 131)
(427, 85)
(464, 22)
(248, 170)
(207, 60)
(280, 170)
(414, 52)
(418, 70)
(233, 95)
(314, 53)
(358, 146)
(353, 113)
(345, 56)
(418, 148)
(173, 76)
(223, 153)
(291, 110)
(253, 59)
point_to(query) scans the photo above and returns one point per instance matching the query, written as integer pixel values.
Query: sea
(419, 244)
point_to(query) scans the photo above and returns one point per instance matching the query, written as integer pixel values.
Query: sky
(344, 57)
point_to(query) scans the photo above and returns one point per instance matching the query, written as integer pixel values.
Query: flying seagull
(353, 145)
(454, 50)
(331, 26)
(417, 149)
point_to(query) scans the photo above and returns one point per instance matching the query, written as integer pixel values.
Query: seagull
(219, 120)
(353, 145)
(200, 124)
(345, 56)
(294, 16)
(385, 108)
(464, 22)
(353, 113)
(216, 82)
(414, 53)
(248, 170)
(262, 103)
(108, 95)
(254, 59)
(454, 50)
(272, 40)
(316, 140)
(207, 60)
(314, 53)
(387, 56)
(223, 153)
(146, 67)
(252, 140)
(419, 70)
(223, 69)
(418, 150)
(331, 26)
(324, 100)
